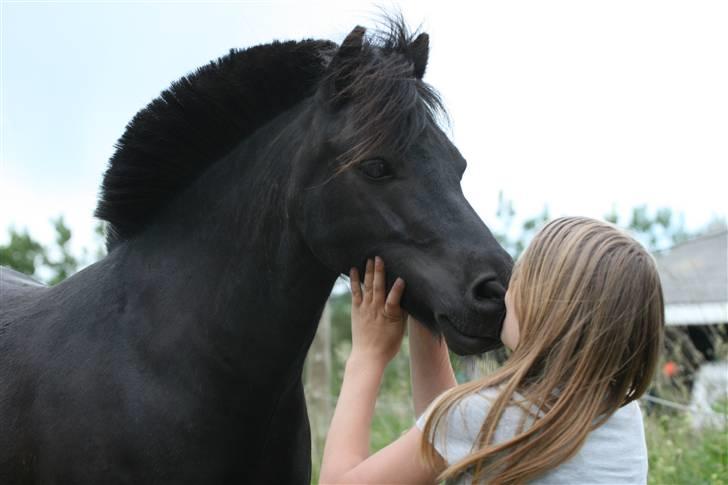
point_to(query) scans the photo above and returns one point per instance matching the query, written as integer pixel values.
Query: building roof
(694, 276)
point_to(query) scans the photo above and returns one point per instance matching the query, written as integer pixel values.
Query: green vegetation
(50, 264)
(680, 455)
(22, 253)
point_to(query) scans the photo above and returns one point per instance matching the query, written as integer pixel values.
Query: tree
(655, 231)
(51, 264)
(515, 240)
(22, 253)
(65, 264)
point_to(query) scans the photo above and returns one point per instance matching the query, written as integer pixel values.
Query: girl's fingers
(355, 286)
(391, 306)
(369, 280)
(379, 280)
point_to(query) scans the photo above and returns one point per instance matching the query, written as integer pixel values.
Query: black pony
(233, 202)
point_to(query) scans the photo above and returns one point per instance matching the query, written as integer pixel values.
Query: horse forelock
(390, 105)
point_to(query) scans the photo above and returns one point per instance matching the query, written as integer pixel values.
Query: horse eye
(376, 169)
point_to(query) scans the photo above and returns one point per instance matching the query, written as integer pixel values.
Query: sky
(578, 106)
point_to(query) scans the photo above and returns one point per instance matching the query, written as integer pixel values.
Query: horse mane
(205, 114)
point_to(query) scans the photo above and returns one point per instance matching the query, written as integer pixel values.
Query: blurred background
(611, 110)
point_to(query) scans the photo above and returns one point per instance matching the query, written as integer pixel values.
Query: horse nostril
(488, 288)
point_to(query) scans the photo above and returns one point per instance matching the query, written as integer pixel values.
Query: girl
(584, 322)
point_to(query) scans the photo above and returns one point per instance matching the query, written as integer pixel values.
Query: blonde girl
(584, 323)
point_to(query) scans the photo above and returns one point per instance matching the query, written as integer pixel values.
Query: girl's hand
(377, 323)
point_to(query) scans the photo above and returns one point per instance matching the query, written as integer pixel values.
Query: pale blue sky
(578, 105)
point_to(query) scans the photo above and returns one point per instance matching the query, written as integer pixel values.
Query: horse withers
(233, 202)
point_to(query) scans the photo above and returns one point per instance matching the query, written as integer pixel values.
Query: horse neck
(228, 267)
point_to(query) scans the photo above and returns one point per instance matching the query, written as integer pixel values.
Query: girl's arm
(347, 442)
(377, 332)
(430, 368)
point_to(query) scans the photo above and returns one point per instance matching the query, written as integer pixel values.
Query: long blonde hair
(590, 309)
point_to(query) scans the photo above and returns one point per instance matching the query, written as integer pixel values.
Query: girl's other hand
(377, 322)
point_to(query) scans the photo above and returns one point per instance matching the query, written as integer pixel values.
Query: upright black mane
(196, 121)
(204, 115)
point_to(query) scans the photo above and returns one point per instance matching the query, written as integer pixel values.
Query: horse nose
(487, 289)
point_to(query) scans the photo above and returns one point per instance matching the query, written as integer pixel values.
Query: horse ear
(344, 62)
(351, 47)
(420, 49)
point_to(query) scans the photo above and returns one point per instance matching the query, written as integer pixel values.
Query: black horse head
(359, 165)
(381, 178)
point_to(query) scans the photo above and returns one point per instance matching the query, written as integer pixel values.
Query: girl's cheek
(509, 333)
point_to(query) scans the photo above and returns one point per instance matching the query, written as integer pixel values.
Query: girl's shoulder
(457, 434)
(626, 422)
(615, 452)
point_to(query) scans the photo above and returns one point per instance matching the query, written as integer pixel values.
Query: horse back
(13, 282)
(16, 290)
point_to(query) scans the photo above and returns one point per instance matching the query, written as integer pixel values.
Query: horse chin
(463, 344)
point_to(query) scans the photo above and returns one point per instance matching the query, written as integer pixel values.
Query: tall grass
(679, 454)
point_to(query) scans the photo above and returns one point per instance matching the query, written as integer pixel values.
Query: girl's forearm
(347, 442)
(430, 367)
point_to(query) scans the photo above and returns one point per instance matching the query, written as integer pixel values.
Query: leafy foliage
(51, 264)
(22, 253)
(514, 239)
(678, 453)
(65, 264)
(655, 231)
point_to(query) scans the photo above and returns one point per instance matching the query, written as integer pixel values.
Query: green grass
(680, 455)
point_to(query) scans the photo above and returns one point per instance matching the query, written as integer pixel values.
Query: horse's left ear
(343, 64)
(351, 47)
(420, 49)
